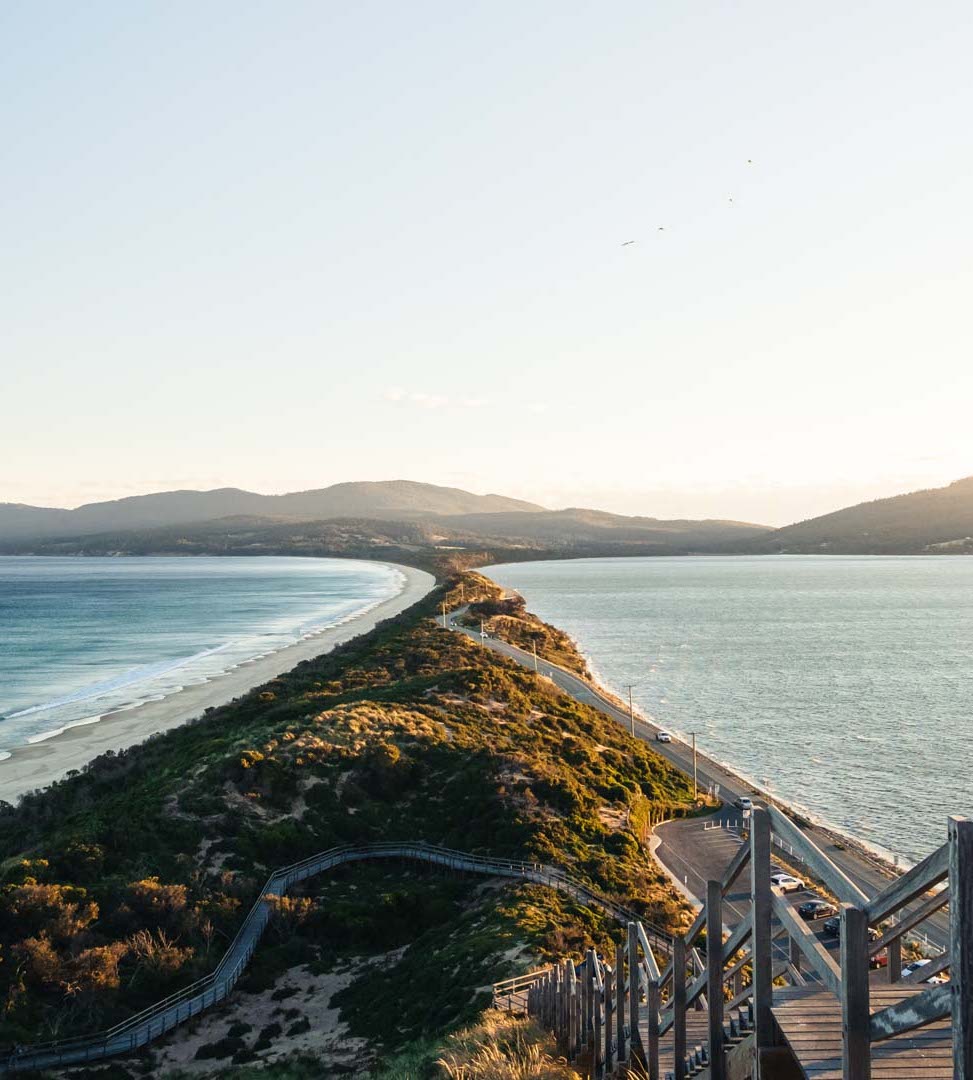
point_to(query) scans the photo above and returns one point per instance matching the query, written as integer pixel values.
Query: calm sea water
(83, 637)
(843, 685)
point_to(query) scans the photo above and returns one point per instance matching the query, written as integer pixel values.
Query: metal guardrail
(164, 1015)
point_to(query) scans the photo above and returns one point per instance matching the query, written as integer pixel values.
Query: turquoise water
(83, 637)
(843, 685)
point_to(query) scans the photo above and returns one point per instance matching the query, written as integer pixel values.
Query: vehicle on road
(786, 882)
(832, 926)
(663, 736)
(879, 960)
(917, 965)
(744, 803)
(816, 909)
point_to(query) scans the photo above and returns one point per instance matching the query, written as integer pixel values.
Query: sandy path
(31, 767)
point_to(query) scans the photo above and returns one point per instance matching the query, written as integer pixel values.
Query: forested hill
(930, 522)
(398, 499)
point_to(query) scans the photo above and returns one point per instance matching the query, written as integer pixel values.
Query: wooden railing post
(855, 1017)
(585, 1001)
(597, 1023)
(679, 1008)
(961, 943)
(894, 949)
(714, 978)
(611, 978)
(572, 1026)
(761, 945)
(621, 1042)
(652, 1049)
(634, 990)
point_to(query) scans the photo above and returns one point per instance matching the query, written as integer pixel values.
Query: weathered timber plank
(836, 879)
(856, 1056)
(816, 954)
(911, 884)
(912, 1012)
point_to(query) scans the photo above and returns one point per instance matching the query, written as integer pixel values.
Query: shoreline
(37, 765)
(879, 858)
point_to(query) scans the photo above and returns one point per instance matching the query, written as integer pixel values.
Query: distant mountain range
(382, 500)
(934, 521)
(373, 516)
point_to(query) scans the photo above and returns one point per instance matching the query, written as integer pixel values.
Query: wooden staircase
(827, 1023)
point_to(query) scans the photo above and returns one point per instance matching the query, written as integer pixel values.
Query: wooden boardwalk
(809, 1019)
(833, 1022)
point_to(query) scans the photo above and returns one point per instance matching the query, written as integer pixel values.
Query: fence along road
(167, 1014)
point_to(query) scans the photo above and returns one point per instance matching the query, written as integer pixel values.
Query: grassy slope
(122, 883)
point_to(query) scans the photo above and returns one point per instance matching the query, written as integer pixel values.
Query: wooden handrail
(912, 1012)
(913, 883)
(909, 922)
(737, 863)
(835, 878)
(817, 955)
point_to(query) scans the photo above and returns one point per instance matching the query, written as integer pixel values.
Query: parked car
(879, 960)
(833, 926)
(744, 803)
(663, 736)
(786, 882)
(816, 909)
(917, 965)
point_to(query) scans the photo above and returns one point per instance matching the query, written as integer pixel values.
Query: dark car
(816, 909)
(833, 926)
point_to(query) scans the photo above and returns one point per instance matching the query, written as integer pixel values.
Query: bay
(844, 685)
(80, 637)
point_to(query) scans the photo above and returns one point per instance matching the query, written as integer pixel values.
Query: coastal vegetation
(125, 882)
(506, 616)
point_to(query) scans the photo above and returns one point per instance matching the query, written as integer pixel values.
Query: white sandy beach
(36, 766)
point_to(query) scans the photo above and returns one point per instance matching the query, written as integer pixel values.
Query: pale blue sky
(281, 245)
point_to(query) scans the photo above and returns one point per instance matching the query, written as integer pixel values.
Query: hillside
(934, 521)
(124, 883)
(575, 526)
(402, 499)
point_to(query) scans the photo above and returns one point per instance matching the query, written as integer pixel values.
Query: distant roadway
(690, 852)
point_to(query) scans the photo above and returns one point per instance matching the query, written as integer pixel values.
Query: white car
(917, 965)
(786, 882)
(663, 736)
(743, 803)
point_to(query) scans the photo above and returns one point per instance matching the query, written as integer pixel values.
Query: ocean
(842, 685)
(80, 637)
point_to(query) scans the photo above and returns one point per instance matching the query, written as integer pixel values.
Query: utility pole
(695, 784)
(631, 708)
(534, 643)
(444, 614)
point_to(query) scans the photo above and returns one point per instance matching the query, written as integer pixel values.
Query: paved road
(687, 850)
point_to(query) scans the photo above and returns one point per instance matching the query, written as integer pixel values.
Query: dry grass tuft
(503, 1047)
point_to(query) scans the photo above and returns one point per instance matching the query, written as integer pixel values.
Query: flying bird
(627, 242)
(749, 162)
(661, 228)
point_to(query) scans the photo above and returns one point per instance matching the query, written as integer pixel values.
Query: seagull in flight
(627, 242)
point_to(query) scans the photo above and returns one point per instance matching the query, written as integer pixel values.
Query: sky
(278, 246)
